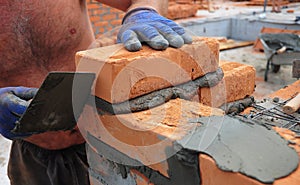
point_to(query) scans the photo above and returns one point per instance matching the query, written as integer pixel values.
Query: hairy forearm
(159, 5)
(126, 5)
(119, 4)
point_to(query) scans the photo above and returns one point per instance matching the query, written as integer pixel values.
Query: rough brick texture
(181, 10)
(287, 92)
(145, 135)
(103, 18)
(125, 75)
(238, 82)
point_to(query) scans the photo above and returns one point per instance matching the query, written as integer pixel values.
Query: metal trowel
(57, 104)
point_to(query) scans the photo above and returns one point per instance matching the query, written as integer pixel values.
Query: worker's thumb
(25, 93)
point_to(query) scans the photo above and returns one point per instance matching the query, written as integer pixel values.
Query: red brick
(122, 76)
(95, 18)
(121, 15)
(108, 17)
(140, 178)
(109, 26)
(93, 6)
(177, 11)
(238, 82)
(116, 22)
(99, 12)
(101, 31)
(114, 10)
(212, 175)
(101, 24)
(287, 92)
(153, 130)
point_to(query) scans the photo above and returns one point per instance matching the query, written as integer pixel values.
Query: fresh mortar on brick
(212, 175)
(145, 135)
(240, 146)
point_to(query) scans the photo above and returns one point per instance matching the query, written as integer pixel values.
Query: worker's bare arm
(119, 4)
(126, 5)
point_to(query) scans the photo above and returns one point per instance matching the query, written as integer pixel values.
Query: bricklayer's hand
(146, 25)
(13, 103)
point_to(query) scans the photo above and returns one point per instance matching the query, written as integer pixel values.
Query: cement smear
(242, 147)
(184, 91)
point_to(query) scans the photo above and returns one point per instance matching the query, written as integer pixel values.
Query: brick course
(125, 75)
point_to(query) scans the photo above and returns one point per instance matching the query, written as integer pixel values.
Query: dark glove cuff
(136, 10)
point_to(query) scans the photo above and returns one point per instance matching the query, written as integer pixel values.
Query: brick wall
(103, 18)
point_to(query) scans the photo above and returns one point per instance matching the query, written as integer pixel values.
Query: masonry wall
(103, 18)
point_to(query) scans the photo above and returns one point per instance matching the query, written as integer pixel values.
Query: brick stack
(123, 147)
(126, 75)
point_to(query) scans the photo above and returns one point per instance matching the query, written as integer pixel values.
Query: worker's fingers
(130, 40)
(7, 120)
(179, 30)
(169, 34)
(13, 103)
(187, 38)
(10, 111)
(151, 36)
(16, 105)
(174, 26)
(24, 92)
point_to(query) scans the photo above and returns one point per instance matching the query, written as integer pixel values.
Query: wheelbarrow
(280, 49)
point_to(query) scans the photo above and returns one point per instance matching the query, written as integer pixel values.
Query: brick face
(134, 79)
(103, 18)
(230, 89)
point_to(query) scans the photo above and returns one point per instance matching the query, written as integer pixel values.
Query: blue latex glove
(146, 25)
(13, 103)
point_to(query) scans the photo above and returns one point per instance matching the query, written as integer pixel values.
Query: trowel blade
(57, 104)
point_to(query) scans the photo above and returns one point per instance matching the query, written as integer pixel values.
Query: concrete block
(124, 75)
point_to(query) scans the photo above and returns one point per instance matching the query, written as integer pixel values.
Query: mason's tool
(292, 106)
(57, 104)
